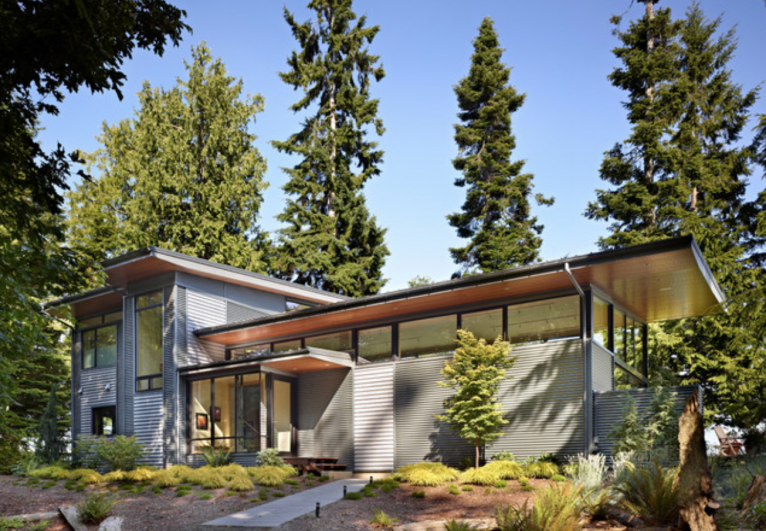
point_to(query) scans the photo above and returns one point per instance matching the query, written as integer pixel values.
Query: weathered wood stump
(695, 484)
(756, 493)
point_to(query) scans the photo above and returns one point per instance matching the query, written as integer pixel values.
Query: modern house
(185, 353)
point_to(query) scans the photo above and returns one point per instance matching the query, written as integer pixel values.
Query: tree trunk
(756, 493)
(476, 446)
(695, 494)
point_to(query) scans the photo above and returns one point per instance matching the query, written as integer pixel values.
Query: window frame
(95, 410)
(117, 323)
(150, 378)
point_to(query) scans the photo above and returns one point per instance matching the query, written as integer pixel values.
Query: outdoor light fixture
(79, 391)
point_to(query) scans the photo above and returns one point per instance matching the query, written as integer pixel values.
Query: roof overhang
(295, 362)
(658, 281)
(154, 261)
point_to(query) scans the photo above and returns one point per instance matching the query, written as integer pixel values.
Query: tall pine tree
(496, 213)
(184, 174)
(331, 241)
(684, 173)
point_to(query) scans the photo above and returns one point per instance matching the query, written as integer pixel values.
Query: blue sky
(560, 53)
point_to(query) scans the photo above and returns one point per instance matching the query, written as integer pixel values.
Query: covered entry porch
(268, 400)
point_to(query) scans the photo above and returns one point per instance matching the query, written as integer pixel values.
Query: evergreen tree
(685, 174)
(629, 435)
(183, 174)
(475, 372)
(496, 213)
(50, 444)
(331, 241)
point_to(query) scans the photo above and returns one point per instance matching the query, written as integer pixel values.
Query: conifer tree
(331, 241)
(475, 372)
(183, 174)
(496, 213)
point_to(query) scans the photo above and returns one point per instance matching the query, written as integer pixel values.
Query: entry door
(282, 418)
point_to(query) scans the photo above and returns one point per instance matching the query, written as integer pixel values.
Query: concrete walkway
(290, 507)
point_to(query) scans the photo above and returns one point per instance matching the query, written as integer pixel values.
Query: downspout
(586, 356)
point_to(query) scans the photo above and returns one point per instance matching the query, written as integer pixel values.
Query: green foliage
(496, 213)
(475, 373)
(269, 457)
(555, 509)
(26, 465)
(183, 174)
(505, 469)
(119, 452)
(383, 520)
(354, 496)
(8, 523)
(331, 241)
(524, 481)
(466, 488)
(420, 280)
(427, 474)
(323, 478)
(501, 484)
(629, 434)
(596, 502)
(454, 525)
(270, 476)
(504, 455)
(418, 494)
(140, 474)
(453, 489)
(165, 478)
(650, 493)
(480, 476)
(50, 444)
(205, 496)
(544, 469)
(95, 507)
(216, 457)
(588, 472)
(758, 515)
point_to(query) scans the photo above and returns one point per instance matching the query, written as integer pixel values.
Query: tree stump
(756, 493)
(695, 484)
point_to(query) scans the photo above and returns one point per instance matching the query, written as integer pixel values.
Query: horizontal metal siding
(608, 408)
(603, 371)
(417, 398)
(128, 374)
(374, 417)
(238, 312)
(543, 401)
(169, 377)
(94, 394)
(201, 311)
(148, 425)
(325, 415)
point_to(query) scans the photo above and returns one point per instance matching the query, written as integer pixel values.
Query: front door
(282, 433)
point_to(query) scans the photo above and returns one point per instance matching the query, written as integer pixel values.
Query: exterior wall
(238, 312)
(603, 368)
(417, 398)
(374, 417)
(126, 369)
(169, 377)
(203, 310)
(148, 425)
(94, 394)
(608, 407)
(544, 401)
(325, 414)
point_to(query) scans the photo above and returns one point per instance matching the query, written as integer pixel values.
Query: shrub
(596, 503)
(383, 520)
(544, 469)
(758, 515)
(418, 494)
(505, 469)
(282, 495)
(10, 523)
(165, 478)
(108, 454)
(269, 457)
(322, 479)
(527, 488)
(26, 465)
(351, 495)
(501, 484)
(183, 491)
(452, 489)
(547, 457)
(93, 478)
(232, 470)
(466, 488)
(588, 472)
(81, 473)
(114, 476)
(213, 480)
(95, 507)
(270, 476)
(206, 496)
(650, 493)
(555, 509)
(140, 474)
(504, 455)
(523, 481)
(454, 525)
(480, 476)
(216, 457)
(558, 478)
(427, 474)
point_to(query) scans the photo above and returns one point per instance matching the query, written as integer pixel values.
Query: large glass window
(149, 341)
(287, 346)
(427, 337)
(336, 341)
(228, 412)
(374, 344)
(249, 352)
(486, 325)
(620, 338)
(99, 345)
(601, 322)
(547, 319)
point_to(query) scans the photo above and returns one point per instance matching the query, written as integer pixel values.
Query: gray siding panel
(203, 310)
(325, 414)
(544, 401)
(149, 425)
(237, 312)
(169, 391)
(76, 414)
(94, 384)
(608, 408)
(417, 398)
(127, 377)
(603, 369)
(374, 417)
(181, 360)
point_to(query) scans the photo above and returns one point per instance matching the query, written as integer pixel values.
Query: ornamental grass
(140, 474)
(240, 483)
(480, 476)
(114, 476)
(270, 476)
(166, 478)
(541, 470)
(505, 469)
(427, 474)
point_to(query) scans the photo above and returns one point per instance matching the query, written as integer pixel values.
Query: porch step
(315, 465)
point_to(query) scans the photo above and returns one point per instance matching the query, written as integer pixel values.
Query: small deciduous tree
(475, 373)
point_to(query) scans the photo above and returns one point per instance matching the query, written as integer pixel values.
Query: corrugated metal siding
(374, 417)
(608, 407)
(127, 376)
(238, 312)
(94, 394)
(325, 414)
(76, 415)
(603, 371)
(148, 425)
(418, 435)
(543, 401)
(181, 360)
(169, 392)
(203, 310)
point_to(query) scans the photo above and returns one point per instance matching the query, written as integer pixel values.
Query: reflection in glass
(540, 320)
(223, 411)
(106, 350)
(487, 325)
(601, 322)
(619, 334)
(88, 349)
(199, 403)
(282, 417)
(427, 337)
(335, 341)
(149, 342)
(287, 346)
(250, 396)
(375, 344)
